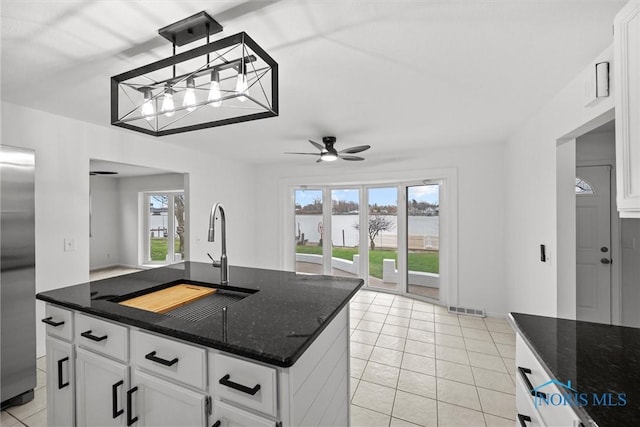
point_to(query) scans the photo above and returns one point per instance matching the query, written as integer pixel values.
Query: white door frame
(565, 261)
(448, 222)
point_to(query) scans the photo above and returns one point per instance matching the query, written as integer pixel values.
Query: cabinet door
(101, 384)
(230, 416)
(627, 99)
(157, 403)
(60, 383)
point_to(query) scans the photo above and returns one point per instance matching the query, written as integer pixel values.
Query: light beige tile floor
(427, 370)
(417, 365)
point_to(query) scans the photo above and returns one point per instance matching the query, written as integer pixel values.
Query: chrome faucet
(223, 264)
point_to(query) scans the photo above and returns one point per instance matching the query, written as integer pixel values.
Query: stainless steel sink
(207, 306)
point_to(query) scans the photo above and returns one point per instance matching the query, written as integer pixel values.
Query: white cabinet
(532, 378)
(169, 358)
(94, 381)
(229, 416)
(101, 385)
(102, 336)
(244, 383)
(627, 100)
(60, 383)
(154, 402)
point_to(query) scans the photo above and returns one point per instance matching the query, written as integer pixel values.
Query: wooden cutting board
(169, 298)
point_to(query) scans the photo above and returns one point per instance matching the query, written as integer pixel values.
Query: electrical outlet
(69, 244)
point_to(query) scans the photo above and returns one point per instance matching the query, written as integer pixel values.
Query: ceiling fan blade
(318, 146)
(308, 154)
(351, 157)
(356, 149)
(319, 160)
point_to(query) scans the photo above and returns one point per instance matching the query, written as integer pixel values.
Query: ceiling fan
(329, 154)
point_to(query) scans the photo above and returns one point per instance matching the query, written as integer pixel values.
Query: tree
(179, 214)
(376, 225)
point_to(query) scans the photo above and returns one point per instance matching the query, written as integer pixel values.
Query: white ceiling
(403, 76)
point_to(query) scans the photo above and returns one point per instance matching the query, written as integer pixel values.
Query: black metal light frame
(242, 38)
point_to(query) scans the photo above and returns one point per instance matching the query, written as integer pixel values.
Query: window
(583, 187)
(164, 237)
(345, 231)
(308, 230)
(423, 239)
(390, 234)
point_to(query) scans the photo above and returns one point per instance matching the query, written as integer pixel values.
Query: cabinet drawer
(551, 414)
(245, 383)
(58, 322)
(175, 360)
(228, 416)
(527, 414)
(102, 336)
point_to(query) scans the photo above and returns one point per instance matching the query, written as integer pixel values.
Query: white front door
(593, 244)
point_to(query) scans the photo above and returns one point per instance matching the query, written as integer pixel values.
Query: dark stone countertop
(284, 313)
(597, 358)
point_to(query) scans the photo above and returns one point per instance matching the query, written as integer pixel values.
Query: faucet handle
(213, 261)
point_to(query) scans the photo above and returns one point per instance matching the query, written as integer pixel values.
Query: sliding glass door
(423, 240)
(345, 235)
(308, 231)
(387, 234)
(382, 233)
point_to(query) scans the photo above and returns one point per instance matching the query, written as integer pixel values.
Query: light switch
(69, 244)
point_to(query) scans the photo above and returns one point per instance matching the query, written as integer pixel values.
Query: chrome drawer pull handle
(48, 321)
(226, 381)
(152, 356)
(524, 419)
(534, 393)
(88, 335)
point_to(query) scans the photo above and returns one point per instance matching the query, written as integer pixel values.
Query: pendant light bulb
(214, 90)
(242, 86)
(189, 100)
(168, 107)
(147, 110)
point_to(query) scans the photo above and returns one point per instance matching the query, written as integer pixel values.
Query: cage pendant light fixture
(226, 81)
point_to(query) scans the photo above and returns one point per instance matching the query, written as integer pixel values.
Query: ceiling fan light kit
(329, 154)
(222, 82)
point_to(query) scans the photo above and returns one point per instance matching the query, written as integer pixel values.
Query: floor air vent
(468, 311)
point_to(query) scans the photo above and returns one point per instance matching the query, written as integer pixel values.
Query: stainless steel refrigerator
(17, 275)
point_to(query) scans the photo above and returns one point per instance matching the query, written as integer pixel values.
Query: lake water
(308, 224)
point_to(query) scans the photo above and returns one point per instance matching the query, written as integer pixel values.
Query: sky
(381, 196)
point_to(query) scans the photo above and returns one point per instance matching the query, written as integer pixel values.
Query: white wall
(63, 149)
(481, 189)
(596, 147)
(129, 190)
(105, 222)
(532, 198)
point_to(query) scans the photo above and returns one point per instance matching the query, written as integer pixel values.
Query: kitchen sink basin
(185, 300)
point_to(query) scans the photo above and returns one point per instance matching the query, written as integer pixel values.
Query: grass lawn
(159, 248)
(427, 262)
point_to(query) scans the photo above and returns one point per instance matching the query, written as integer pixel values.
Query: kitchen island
(574, 373)
(278, 354)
